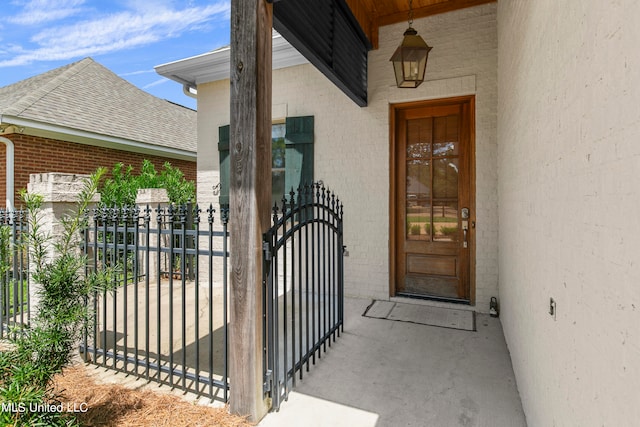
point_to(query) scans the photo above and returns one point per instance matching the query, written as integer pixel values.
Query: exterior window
(292, 157)
(278, 163)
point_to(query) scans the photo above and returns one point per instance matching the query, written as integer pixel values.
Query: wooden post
(249, 198)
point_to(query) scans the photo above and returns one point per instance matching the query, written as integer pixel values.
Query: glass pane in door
(445, 178)
(445, 136)
(418, 205)
(445, 221)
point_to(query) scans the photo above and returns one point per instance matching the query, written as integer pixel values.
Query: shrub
(122, 188)
(44, 349)
(449, 231)
(415, 229)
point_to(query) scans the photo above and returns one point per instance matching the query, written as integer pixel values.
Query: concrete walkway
(388, 373)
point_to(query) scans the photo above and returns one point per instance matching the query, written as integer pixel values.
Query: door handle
(465, 226)
(465, 230)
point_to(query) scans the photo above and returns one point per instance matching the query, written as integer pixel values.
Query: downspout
(190, 90)
(9, 172)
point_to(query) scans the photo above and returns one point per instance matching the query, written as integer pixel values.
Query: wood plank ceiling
(373, 14)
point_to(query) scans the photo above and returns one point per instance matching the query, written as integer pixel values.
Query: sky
(129, 37)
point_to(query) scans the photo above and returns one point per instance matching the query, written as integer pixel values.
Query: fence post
(152, 198)
(60, 195)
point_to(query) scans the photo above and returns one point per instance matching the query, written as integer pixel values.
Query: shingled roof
(88, 97)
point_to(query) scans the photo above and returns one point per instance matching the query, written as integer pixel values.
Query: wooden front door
(432, 202)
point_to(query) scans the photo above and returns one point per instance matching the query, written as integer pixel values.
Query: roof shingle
(87, 96)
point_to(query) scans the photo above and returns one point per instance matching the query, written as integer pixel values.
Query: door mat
(423, 314)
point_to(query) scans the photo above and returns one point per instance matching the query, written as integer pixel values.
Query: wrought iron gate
(303, 282)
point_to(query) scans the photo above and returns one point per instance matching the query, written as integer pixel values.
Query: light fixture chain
(410, 12)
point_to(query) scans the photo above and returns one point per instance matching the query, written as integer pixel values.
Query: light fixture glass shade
(410, 60)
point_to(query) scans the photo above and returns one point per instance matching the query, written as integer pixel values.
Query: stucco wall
(352, 143)
(569, 192)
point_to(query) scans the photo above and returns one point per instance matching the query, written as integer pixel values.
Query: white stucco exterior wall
(569, 193)
(352, 143)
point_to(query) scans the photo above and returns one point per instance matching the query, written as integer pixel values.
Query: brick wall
(352, 143)
(40, 155)
(569, 192)
(3, 177)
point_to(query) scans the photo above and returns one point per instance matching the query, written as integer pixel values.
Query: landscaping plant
(122, 187)
(44, 348)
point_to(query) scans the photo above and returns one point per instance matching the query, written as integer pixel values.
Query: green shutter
(223, 149)
(299, 152)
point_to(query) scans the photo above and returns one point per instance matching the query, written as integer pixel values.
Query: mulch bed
(115, 405)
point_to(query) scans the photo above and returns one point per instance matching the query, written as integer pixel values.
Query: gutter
(9, 173)
(214, 65)
(190, 90)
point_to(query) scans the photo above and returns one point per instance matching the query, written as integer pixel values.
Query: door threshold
(433, 301)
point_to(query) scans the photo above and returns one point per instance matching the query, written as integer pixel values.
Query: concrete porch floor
(387, 373)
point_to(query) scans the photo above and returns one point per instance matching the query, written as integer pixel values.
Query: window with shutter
(291, 157)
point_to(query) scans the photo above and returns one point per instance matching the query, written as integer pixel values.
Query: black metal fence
(166, 316)
(303, 285)
(14, 272)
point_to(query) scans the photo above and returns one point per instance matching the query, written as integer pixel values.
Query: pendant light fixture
(410, 59)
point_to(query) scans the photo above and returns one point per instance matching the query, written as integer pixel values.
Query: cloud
(156, 83)
(114, 32)
(41, 11)
(136, 73)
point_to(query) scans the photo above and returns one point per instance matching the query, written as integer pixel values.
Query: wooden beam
(429, 10)
(373, 14)
(249, 199)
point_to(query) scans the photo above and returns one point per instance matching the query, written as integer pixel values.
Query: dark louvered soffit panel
(328, 35)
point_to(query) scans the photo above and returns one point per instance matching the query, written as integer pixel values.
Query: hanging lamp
(410, 59)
